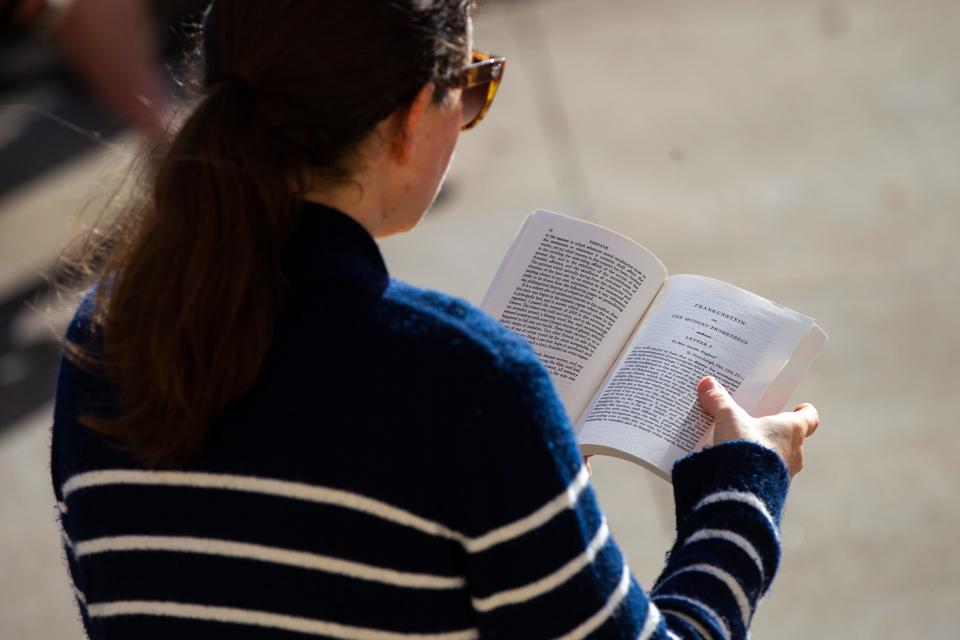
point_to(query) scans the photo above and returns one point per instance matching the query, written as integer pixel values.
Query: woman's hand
(784, 432)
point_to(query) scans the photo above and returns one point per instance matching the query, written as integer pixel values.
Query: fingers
(808, 413)
(715, 400)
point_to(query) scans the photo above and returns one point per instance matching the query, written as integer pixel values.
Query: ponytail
(189, 279)
(186, 308)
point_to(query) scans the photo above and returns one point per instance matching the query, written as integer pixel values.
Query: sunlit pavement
(804, 151)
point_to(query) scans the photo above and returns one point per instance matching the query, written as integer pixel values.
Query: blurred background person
(110, 43)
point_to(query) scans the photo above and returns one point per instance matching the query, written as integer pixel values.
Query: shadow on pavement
(28, 364)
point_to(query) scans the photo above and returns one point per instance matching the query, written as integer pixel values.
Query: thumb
(715, 400)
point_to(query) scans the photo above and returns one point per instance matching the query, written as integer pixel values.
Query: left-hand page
(575, 291)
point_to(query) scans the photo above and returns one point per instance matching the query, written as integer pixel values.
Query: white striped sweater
(401, 469)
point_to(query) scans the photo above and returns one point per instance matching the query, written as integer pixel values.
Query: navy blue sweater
(402, 468)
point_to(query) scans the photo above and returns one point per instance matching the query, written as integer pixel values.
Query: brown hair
(189, 279)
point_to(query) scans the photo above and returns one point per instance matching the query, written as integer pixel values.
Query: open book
(625, 344)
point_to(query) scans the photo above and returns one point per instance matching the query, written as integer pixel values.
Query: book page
(575, 291)
(776, 396)
(647, 407)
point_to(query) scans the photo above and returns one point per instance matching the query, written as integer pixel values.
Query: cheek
(441, 157)
(444, 168)
(451, 135)
(448, 152)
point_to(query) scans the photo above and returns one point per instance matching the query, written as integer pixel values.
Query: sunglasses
(479, 81)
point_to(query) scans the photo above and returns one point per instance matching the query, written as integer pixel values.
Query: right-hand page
(647, 406)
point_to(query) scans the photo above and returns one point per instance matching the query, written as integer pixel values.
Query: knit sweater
(401, 469)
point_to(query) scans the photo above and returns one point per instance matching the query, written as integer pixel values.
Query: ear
(407, 124)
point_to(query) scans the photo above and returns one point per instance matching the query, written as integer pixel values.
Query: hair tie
(232, 79)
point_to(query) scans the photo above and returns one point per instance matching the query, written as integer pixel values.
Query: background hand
(112, 45)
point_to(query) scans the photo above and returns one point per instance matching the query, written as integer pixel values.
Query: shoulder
(82, 389)
(435, 320)
(82, 345)
(80, 361)
(83, 330)
(444, 328)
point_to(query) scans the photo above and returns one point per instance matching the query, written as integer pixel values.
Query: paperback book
(626, 343)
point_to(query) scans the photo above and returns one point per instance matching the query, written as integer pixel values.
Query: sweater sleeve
(540, 561)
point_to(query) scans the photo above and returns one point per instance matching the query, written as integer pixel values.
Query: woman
(260, 434)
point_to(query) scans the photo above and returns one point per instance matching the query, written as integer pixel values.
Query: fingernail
(709, 383)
